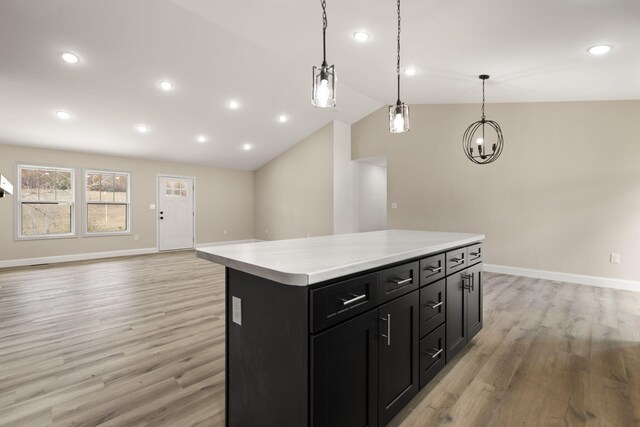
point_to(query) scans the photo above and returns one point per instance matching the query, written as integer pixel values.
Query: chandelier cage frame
(469, 139)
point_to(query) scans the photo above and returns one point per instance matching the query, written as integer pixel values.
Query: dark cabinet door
(344, 374)
(398, 345)
(474, 304)
(456, 302)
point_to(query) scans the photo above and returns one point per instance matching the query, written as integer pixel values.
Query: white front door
(175, 213)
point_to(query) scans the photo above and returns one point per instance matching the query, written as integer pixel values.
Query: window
(176, 188)
(46, 200)
(106, 202)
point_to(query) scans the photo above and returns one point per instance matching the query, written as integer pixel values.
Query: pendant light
(399, 113)
(489, 129)
(323, 94)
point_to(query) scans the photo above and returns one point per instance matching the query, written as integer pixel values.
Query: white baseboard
(74, 257)
(228, 242)
(603, 282)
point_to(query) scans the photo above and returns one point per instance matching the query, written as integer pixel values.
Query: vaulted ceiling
(260, 53)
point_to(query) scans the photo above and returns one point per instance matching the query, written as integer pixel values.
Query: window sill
(45, 237)
(108, 234)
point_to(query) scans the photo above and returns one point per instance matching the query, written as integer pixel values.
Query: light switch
(152, 206)
(236, 306)
(615, 258)
(394, 205)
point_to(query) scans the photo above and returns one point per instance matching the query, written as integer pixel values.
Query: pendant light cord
(324, 32)
(398, 63)
(483, 100)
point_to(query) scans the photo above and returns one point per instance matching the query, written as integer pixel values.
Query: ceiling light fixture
(361, 36)
(599, 50)
(201, 139)
(165, 85)
(399, 113)
(63, 115)
(247, 147)
(282, 118)
(469, 139)
(323, 93)
(234, 105)
(69, 58)
(142, 128)
(410, 71)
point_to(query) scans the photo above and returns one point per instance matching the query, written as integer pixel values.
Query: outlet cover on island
(394, 205)
(615, 258)
(236, 310)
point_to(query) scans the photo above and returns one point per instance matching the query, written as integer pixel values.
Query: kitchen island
(344, 330)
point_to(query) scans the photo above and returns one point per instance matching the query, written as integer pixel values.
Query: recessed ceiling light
(282, 118)
(599, 50)
(247, 147)
(234, 105)
(201, 139)
(165, 85)
(409, 71)
(361, 36)
(63, 115)
(69, 57)
(142, 128)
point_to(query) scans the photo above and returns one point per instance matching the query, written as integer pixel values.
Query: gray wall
(564, 194)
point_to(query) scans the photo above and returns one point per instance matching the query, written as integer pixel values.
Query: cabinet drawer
(432, 306)
(432, 355)
(431, 269)
(456, 260)
(335, 303)
(396, 281)
(475, 253)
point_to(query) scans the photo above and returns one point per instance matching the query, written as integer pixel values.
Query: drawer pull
(434, 305)
(401, 282)
(467, 282)
(434, 269)
(355, 298)
(474, 253)
(457, 261)
(434, 355)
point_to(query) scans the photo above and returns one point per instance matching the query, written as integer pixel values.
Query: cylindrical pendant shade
(324, 87)
(399, 118)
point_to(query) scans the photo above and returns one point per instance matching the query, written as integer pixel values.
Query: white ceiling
(260, 52)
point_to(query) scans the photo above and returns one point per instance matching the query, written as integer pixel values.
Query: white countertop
(306, 261)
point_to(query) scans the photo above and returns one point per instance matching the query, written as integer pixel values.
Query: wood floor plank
(139, 341)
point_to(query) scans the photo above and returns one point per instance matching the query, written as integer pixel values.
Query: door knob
(161, 217)
(161, 212)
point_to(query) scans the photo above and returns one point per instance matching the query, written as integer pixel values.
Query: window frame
(86, 203)
(19, 166)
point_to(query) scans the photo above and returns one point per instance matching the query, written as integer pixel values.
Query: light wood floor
(140, 341)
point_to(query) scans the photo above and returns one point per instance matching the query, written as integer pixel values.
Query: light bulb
(322, 93)
(480, 141)
(398, 122)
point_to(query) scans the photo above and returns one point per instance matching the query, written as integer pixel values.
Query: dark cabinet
(474, 301)
(464, 308)
(456, 314)
(432, 355)
(344, 376)
(398, 362)
(432, 306)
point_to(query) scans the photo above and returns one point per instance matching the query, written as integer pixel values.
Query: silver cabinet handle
(473, 279)
(401, 281)
(457, 261)
(434, 355)
(434, 269)
(474, 253)
(352, 300)
(434, 305)
(465, 278)
(388, 336)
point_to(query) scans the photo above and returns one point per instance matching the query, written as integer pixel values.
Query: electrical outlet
(225, 231)
(136, 237)
(615, 258)
(266, 231)
(394, 205)
(308, 234)
(236, 305)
